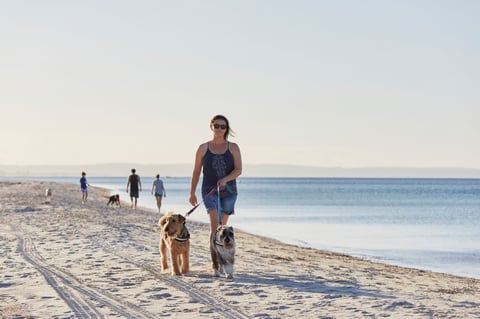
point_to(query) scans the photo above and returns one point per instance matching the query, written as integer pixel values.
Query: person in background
(84, 187)
(135, 187)
(221, 163)
(158, 189)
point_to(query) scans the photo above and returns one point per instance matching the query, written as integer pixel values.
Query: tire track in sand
(80, 308)
(215, 303)
(78, 296)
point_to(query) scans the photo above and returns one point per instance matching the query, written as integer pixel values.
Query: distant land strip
(249, 170)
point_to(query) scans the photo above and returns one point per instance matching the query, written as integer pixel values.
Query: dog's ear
(181, 219)
(162, 221)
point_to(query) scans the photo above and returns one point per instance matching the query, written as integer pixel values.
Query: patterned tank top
(215, 167)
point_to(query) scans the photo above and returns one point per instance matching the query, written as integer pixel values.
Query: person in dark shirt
(220, 162)
(135, 187)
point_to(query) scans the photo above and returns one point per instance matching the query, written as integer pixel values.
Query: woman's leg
(225, 219)
(159, 202)
(213, 222)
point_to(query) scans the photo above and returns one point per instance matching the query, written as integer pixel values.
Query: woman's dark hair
(228, 131)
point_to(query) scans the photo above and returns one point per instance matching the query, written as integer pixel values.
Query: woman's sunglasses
(222, 126)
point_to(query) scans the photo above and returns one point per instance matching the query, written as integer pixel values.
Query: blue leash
(219, 207)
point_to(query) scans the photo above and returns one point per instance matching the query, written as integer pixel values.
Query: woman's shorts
(227, 203)
(158, 194)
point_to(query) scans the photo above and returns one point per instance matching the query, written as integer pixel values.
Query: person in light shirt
(158, 190)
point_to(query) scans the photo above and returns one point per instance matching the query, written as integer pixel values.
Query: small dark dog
(222, 249)
(114, 200)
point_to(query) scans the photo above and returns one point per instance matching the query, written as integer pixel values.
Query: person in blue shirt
(158, 189)
(84, 187)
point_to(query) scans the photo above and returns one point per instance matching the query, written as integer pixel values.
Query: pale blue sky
(323, 83)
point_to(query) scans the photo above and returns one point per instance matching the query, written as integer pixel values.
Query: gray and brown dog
(175, 237)
(222, 249)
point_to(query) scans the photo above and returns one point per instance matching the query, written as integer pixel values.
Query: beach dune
(67, 260)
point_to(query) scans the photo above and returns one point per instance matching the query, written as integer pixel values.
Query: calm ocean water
(431, 224)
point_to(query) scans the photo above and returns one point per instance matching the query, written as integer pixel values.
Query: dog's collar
(216, 241)
(185, 238)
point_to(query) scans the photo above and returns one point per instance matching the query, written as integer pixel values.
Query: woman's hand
(221, 183)
(193, 199)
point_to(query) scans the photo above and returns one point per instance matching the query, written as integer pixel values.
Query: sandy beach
(67, 260)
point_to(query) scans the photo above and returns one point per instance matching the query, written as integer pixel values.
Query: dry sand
(68, 260)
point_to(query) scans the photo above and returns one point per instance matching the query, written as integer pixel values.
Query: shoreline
(425, 253)
(65, 260)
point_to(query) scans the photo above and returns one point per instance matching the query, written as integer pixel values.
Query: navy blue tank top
(216, 167)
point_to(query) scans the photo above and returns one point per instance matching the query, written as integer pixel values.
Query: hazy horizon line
(249, 170)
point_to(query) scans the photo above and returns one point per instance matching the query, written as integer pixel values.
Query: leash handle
(196, 206)
(193, 208)
(219, 206)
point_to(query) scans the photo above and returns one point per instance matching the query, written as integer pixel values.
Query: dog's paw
(229, 276)
(216, 273)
